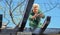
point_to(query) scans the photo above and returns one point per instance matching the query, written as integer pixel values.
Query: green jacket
(35, 22)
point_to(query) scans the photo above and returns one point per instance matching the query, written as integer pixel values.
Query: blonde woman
(35, 17)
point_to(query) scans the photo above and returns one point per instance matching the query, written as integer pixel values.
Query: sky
(48, 7)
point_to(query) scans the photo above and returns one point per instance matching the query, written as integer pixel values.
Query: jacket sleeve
(30, 17)
(42, 13)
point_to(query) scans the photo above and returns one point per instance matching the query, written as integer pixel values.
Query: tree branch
(7, 2)
(12, 18)
(18, 5)
(51, 8)
(11, 15)
(11, 2)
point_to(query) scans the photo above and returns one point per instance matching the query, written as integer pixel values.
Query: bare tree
(8, 4)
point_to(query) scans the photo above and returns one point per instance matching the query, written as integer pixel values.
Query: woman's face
(35, 9)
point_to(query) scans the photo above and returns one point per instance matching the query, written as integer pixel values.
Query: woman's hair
(35, 5)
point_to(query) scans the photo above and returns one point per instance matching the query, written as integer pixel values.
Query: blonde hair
(34, 5)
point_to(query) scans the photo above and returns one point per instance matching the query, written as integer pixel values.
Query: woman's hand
(41, 15)
(34, 16)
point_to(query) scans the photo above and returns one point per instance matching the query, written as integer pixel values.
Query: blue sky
(44, 6)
